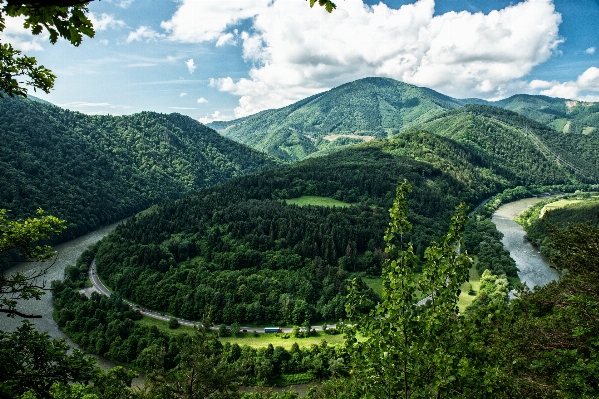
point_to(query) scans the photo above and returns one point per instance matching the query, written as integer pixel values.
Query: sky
(224, 59)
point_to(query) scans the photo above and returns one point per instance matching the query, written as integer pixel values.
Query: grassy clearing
(474, 284)
(262, 340)
(558, 204)
(375, 284)
(163, 326)
(316, 201)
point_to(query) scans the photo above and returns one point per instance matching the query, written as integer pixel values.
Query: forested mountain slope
(366, 108)
(506, 138)
(563, 115)
(240, 252)
(379, 108)
(93, 170)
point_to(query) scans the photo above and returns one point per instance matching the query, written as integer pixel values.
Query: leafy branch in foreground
(327, 4)
(60, 18)
(411, 348)
(19, 241)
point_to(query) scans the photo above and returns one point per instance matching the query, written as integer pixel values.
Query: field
(558, 204)
(375, 284)
(262, 340)
(316, 201)
(473, 283)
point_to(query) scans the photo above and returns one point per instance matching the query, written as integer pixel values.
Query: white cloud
(125, 3)
(590, 50)
(105, 21)
(190, 65)
(586, 86)
(83, 106)
(298, 51)
(144, 33)
(202, 100)
(227, 38)
(215, 116)
(182, 94)
(21, 38)
(199, 21)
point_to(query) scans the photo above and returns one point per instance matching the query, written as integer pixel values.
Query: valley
(290, 232)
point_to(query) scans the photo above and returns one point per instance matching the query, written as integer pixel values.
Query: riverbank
(67, 254)
(534, 268)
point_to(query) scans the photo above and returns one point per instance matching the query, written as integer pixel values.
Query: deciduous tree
(411, 348)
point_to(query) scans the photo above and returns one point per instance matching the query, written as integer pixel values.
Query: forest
(211, 236)
(242, 254)
(96, 170)
(556, 319)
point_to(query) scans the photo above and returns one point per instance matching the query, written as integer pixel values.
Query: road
(100, 288)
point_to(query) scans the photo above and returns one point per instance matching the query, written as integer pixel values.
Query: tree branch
(16, 312)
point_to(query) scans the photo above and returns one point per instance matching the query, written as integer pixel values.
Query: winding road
(101, 289)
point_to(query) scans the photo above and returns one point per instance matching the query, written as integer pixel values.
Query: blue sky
(221, 59)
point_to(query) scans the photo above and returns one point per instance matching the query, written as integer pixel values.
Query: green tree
(202, 371)
(19, 241)
(32, 361)
(60, 18)
(411, 348)
(173, 323)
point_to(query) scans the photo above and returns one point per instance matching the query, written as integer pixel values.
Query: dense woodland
(242, 254)
(541, 345)
(94, 170)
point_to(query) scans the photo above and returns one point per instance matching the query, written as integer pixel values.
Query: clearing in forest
(316, 201)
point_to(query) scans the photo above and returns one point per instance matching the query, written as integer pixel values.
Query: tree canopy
(60, 18)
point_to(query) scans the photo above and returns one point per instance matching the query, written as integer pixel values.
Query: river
(67, 254)
(534, 267)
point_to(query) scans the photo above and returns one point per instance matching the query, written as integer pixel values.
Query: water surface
(534, 267)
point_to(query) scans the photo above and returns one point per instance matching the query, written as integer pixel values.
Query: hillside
(94, 170)
(563, 115)
(506, 138)
(349, 114)
(191, 255)
(378, 108)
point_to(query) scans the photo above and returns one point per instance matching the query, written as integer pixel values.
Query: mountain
(508, 138)
(94, 170)
(563, 115)
(378, 108)
(352, 113)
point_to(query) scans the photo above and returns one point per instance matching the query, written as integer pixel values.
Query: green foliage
(574, 211)
(66, 19)
(493, 291)
(327, 4)
(20, 241)
(549, 340)
(555, 112)
(32, 361)
(13, 67)
(95, 170)
(411, 349)
(173, 323)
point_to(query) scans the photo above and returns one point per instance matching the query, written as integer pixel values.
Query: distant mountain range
(373, 108)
